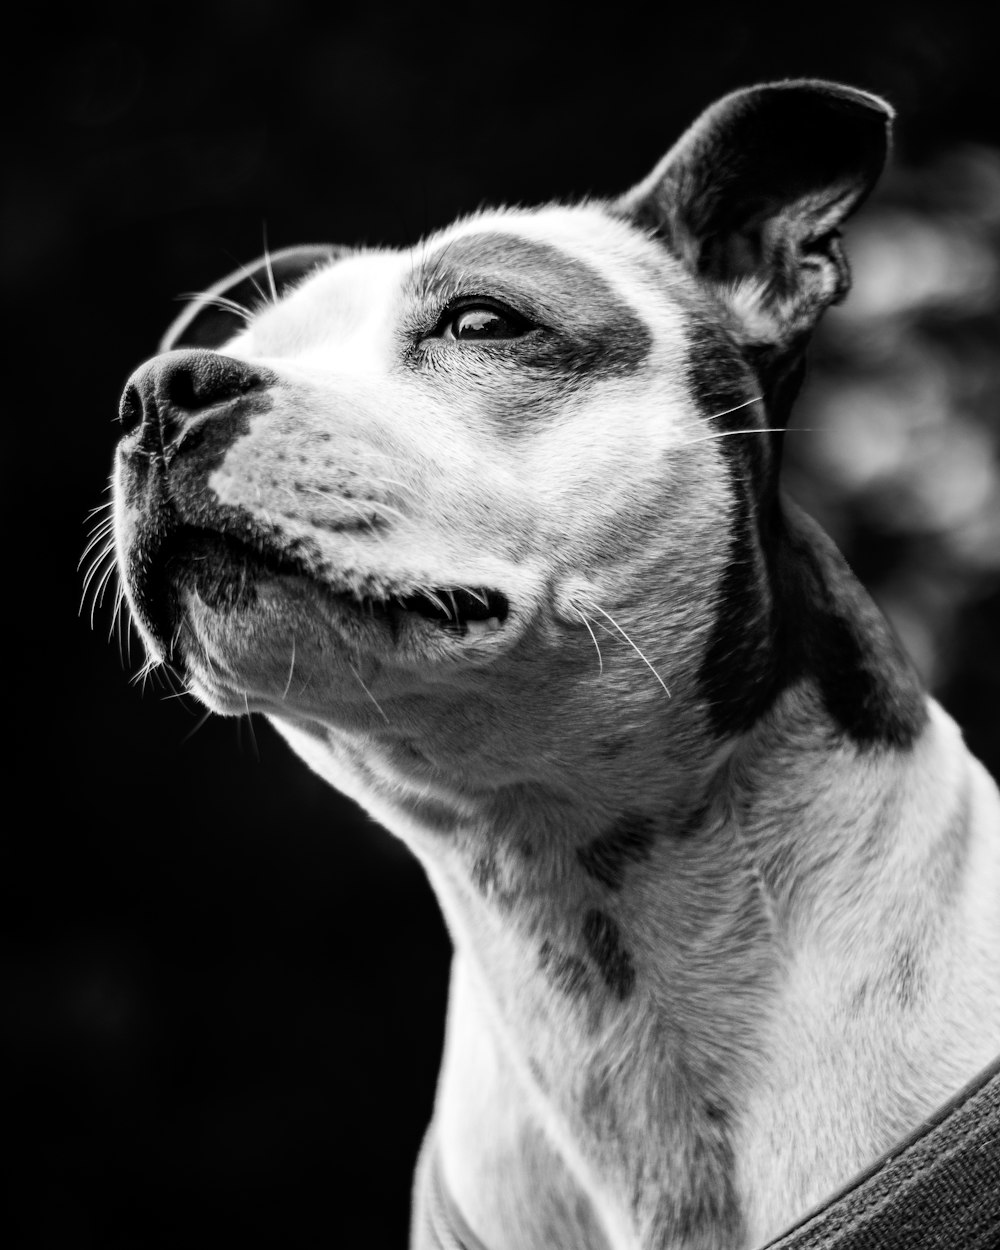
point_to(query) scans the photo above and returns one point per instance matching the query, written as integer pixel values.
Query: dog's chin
(247, 627)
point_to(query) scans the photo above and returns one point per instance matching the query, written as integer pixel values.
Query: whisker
(473, 593)
(106, 551)
(106, 542)
(252, 278)
(267, 264)
(176, 696)
(736, 407)
(144, 673)
(96, 565)
(101, 507)
(291, 670)
(707, 438)
(105, 524)
(368, 692)
(635, 648)
(201, 722)
(120, 628)
(170, 679)
(253, 733)
(427, 593)
(98, 534)
(98, 600)
(175, 640)
(593, 638)
(100, 572)
(220, 301)
(116, 619)
(363, 507)
(130, 630)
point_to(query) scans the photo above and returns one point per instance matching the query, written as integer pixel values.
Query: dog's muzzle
(182, 411)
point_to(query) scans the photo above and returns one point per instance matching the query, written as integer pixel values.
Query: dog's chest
(592, 1139)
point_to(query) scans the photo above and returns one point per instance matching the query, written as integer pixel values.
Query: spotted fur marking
(627, 842)
(603, 940)
(566, 972)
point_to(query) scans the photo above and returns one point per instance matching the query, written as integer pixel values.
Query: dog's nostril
(204, 379)
(130, 407)
(166, 394)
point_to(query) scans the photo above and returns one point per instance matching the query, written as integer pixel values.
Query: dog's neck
(631, 981)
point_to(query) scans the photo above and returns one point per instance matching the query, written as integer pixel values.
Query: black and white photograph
(503, 586)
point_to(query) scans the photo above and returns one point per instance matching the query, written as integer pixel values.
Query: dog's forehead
(580, 261)
(579, 252)
(587, 233)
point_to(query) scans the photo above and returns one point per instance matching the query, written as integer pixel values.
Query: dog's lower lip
(226, 570)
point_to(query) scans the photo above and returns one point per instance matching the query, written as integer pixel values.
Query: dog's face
(434, 485)
(414, 458)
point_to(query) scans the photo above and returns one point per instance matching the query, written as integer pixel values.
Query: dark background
(224, 985)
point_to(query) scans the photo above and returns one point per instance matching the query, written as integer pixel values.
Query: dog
(491, 531)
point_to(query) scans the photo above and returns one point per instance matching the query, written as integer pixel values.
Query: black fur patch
(628, 841)
(604, 942)
(822, 626)
(567, 973)
(830, 630)
(784, 611)
(585, 330)
(720, 380)
(737, 677)
(734, 676)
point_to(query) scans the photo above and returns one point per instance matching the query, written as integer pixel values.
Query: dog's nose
(166, 393)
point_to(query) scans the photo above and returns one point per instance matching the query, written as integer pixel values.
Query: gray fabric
(938, 1190)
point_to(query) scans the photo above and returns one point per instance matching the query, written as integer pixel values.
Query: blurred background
(223, 986)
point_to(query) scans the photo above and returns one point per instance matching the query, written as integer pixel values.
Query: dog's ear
(219, 313)
(751, 199)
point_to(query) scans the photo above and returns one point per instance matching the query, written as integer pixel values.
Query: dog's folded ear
(219, 313)
(752, 196)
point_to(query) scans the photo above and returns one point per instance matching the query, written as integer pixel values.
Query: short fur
(723, 883)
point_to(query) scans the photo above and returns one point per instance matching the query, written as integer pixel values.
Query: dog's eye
(476, 322)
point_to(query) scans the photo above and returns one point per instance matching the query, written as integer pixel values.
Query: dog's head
(362, 478)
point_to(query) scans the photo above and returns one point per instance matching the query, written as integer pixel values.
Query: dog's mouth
(228, 573)
(465, 611)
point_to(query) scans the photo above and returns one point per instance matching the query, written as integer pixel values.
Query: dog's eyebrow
(561, 290)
